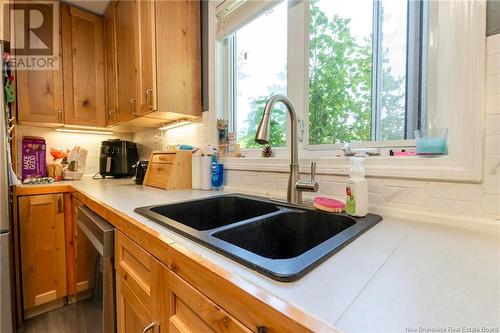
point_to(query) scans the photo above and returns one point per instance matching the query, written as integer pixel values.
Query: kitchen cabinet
(126, 58)
(191, 311)
(40, 96)
(73, 94)
(148, 293)
(42, 245)
(139, 285)
(40, 92)
(110, 62)
(83, 67)
(132, 314)
(157, 50)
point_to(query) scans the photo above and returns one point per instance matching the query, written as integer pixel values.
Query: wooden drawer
(163, 158)
(191, 311)
(135, 267)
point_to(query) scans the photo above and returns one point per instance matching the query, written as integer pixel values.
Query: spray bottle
(357, 189)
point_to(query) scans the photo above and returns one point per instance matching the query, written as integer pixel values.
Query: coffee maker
(118, 158)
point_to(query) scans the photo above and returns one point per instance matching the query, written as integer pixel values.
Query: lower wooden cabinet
(191, 311)
(152, 298)
(132, 314)
(42, 245)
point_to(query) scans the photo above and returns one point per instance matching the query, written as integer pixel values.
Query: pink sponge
(329, 205)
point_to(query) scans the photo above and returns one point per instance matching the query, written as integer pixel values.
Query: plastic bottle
(357, 189)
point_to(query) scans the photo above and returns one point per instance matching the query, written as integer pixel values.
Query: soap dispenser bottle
(357, 189)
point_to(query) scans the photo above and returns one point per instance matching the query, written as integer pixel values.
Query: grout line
(371, 279)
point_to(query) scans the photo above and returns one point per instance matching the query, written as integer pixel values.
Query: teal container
(432, 141)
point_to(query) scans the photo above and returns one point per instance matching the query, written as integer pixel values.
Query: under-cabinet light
(83, 131)
(174, 125)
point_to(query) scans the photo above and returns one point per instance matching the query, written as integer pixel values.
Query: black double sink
(281, 241)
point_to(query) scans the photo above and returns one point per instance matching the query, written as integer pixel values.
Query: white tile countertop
(400, 276)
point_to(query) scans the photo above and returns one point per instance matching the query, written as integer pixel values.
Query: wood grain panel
(110, 65)
(132, 315)
(126, 57)
(169, 170)
(146, 84)
(134, 265)
(197, 312)
(83, 57)
(178, 36)
(42, 241)
(40, 92)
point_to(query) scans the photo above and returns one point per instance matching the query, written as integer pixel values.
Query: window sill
(441, 168)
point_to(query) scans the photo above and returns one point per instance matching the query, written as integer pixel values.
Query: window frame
(457, 30)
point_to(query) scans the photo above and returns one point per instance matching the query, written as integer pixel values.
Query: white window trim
(456, 87)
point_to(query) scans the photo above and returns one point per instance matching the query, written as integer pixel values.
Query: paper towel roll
(196, 172)
(206, 173)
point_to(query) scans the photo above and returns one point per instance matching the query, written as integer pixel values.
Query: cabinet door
(40, 92)
(191, 311)
(83, 63)
(146, 93)
(110, 65)
(179, 58)
(132, 315)
(126, 57)
(43, 261)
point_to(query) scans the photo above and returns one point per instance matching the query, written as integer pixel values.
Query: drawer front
(191, 311)
(163, 158)
(135, 266)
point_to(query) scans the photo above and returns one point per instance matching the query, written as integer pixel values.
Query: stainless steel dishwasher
(101, 234)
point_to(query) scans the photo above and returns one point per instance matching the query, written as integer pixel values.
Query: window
(364, 64)
(258, 53)
(361, 70)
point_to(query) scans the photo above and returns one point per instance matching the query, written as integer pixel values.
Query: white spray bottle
(357, 189)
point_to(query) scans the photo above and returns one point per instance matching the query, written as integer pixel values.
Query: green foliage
(278, 125)
(340, 84)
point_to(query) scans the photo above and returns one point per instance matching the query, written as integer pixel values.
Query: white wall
(91, 142)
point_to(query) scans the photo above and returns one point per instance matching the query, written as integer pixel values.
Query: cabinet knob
(262, 329)
(59, 116)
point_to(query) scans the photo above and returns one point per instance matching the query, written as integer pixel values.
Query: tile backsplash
(90, 142)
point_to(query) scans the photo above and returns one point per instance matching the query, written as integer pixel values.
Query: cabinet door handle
(59, 115)
(131, 105)
(149, 327)
(60, 205)
(149, 96)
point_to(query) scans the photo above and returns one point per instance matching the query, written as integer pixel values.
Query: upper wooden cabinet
(158, 60)
(40, 96)
(73, 94)
(83, 65)
(126, 58)
(110, 69)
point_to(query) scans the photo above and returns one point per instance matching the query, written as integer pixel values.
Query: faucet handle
(308, 186)
(313, 171)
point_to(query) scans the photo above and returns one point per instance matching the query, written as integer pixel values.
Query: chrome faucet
(295, 185)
